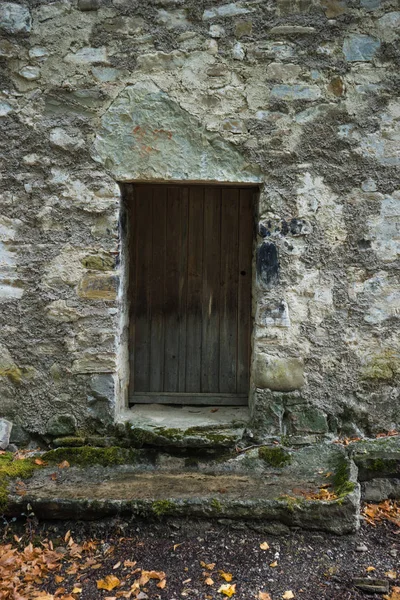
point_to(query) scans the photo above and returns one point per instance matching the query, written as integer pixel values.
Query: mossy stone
(87, 456)
(274, 457)
(13, 469)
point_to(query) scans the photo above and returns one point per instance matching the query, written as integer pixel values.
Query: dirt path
(313, 566)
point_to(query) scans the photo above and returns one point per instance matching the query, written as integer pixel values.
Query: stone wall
(296, 95)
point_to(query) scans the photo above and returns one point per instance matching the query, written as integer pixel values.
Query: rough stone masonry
(297, 96)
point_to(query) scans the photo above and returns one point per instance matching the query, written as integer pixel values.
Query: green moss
(343, 486)
(13, 373)
(87, 455)
(162, 507)
(99, 262)
(216, 504)
(274, 457)
(13, 469)
(382, 366)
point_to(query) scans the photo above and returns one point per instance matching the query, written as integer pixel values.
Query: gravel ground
(312, 565)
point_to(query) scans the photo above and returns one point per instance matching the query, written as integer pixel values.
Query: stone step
(269, 485)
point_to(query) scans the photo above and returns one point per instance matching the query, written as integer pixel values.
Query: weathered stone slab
(218, 490)
(145, 135)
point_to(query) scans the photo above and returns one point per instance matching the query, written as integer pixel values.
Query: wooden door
(190, 293)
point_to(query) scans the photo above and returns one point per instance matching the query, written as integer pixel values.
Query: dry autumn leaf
(64, 465)
(274, 564)
(288, 595)
(175, 546)
(370, 569)
(391, 574)
(394, 595)
(209, 581)
(227, 589)
(264, 546)
(117, 565)
(226, 576)
(162, 584)
(108, 583)
(208, 566)
(264, 596)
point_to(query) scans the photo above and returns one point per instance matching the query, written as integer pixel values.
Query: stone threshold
(272, 484)
(185, 426)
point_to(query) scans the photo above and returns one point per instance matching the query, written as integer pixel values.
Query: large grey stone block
(14, 18)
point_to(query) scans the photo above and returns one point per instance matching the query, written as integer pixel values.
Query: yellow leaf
(77, 590)
(264, 546)
(288, 595)
(226, 576)
(208, 566)
(264, 596)
(130, 563)
(108, 583)
(370, 569)
(227, 589)
(177, 546)
(391, 574)
(64, 465)
(274, 564)
(209, 581)
(162, 584)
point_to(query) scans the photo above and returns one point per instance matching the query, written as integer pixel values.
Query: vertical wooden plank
(172, 277)
(244, 288)
(194, 289)
(182, 311)
(142, 309)
(229, 286)
(211, 290)
(157, 284)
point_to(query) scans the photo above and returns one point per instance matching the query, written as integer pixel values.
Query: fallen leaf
(186, 581)
(391, 574)
(288, 595)
(264, 596)
(177, 546)
(67, 536)
(370, 569)
(130, 563)
(395, 594)
(209, 581)
(162, 584)
(264, 546)
(39, 461)
(58, 578)
(108, 583)
(117, 565)
(274, 564)
(208, 566)
(226, 576)
(77, 590)
(64, 465)
(227, 589)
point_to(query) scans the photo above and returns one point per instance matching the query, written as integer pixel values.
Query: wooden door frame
(185, 398)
